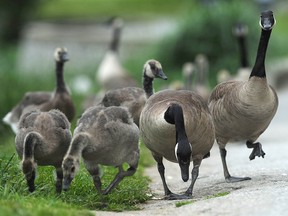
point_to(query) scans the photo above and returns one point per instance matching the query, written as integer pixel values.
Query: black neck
(147, 85)
(174, 115)
(259, 66)
(60, 77)
(115, 39)
(243, 52)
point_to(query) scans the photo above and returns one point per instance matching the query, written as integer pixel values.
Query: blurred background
(170, 31)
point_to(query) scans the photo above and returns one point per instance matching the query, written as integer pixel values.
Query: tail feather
(30, 142)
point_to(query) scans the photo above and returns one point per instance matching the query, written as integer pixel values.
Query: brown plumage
(134, 98)
(177, 125)
(111, 74)
(106, 136)
(43, 139)
(242, 110)
(45, 101)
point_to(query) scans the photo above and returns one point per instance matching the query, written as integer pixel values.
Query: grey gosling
(59, 99)
(242, 110)
(134, 98)
(43, 139)
(106, 136)
(176, 125)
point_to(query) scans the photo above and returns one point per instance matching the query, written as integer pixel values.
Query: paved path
(265, 194)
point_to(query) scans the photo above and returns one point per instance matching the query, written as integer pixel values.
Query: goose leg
(228, 177)
(95, 173)
(161, 169)
(257, 150)
(119, 177)
(30, 181)
(59, 176)
(194, 174)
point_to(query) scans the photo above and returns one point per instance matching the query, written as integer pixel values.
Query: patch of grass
(218, 195)
(182, 203)
(80, 199)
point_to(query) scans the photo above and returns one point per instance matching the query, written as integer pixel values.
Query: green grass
(182, 203)
(80, 199)
(218, 195)
(90, 9)
(187, 202)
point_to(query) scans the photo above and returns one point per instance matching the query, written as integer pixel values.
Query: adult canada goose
(188, 71)
(59, 99)
(176, 125)
(242, 110)
(134, 98)
(43, 139)
(111, 74)
(106, 136)
(201, 86)
(240, 31)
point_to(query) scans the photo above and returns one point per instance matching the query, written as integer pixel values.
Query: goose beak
(160, 74)
(184, 167)
(65, 57)
(66, 183)
(266, 24)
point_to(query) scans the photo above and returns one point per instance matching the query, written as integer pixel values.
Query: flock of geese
(178, 125)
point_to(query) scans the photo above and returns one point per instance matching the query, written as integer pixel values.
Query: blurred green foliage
(92, 9)
(208, 30)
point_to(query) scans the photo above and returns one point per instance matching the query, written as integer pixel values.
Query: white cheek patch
(149, 72)
(176, 148)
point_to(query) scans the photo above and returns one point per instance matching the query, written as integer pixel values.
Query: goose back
(54, 130)
(242, 110)
(112, 135)
(132, 98)
(198, 123)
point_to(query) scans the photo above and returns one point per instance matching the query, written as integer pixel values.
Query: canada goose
(44, 101)
(188, 71)
(111, 74)
(43, 139)
(30, 98)
(242, 110)
(240, 31)
(61, 98)
(176, 125)
(106, 136)
(134, 98)
(201, 86)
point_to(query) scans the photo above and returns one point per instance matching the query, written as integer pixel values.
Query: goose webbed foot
(173, 196)
(232, 179)
(257, 150)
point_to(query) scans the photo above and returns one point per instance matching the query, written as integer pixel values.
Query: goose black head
(61, 54)
(267, 20)
(153, 69)
(183, 151)
(70, 167)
